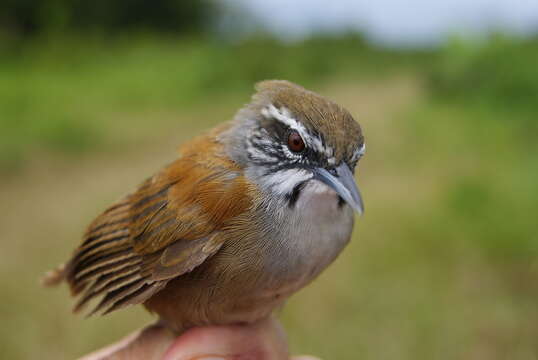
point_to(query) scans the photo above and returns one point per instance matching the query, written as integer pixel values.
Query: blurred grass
(65, 94)
(442, 266)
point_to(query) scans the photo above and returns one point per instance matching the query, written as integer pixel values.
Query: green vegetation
(490, 92)
(442, 266)
(60, 94)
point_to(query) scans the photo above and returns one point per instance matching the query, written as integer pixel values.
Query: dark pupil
(295, 142)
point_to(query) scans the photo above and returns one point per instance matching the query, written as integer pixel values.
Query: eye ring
(295, 142)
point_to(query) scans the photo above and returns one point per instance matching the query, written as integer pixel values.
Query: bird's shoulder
(169, 225)
(198, 194)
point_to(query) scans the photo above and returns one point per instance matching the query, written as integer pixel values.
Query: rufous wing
(171, 224)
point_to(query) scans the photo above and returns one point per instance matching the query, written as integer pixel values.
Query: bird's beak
(342, 181)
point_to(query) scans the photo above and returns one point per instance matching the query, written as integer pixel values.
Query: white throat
(280, 183)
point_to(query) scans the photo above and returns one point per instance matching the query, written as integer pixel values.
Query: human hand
(264, 340)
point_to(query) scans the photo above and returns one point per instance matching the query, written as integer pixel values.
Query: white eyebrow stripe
(284, 116)
(359, 152)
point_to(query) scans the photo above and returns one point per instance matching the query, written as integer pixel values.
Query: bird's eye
(295, 142)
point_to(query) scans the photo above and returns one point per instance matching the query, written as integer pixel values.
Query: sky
(393, 22)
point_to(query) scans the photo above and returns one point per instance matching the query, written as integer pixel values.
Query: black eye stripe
(295, 193)
(271, 138)
(275, 128)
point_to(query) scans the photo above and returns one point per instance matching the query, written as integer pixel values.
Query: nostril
(333, 172)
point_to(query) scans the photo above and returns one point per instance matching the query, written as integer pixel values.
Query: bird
(249, 213)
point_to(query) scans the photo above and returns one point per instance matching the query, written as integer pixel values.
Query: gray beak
(342, 181)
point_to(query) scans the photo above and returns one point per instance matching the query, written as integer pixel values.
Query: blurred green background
(95, 96)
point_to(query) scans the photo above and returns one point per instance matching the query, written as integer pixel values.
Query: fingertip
(263, 341)
(148, 343)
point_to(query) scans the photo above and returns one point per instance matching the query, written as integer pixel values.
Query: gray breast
(306, 238)
(291, 246)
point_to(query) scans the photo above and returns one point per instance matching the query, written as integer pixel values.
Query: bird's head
(289, 136)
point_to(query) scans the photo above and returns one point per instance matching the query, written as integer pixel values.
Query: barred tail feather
(105, 265)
